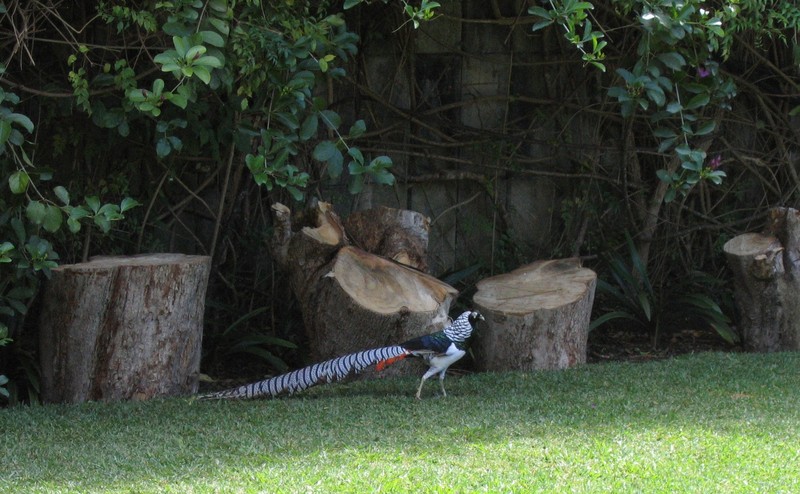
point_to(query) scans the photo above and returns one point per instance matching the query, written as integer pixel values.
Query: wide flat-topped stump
(120, 328)
(537, 316)
(362, 289)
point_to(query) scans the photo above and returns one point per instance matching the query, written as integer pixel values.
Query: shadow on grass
(549, 427)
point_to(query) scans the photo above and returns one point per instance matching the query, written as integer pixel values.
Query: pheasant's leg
(421, 382)
(441, 383)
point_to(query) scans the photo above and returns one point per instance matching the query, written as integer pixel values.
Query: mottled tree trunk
(537, 316)
(397, 234)
(121, 328)
(766, 270)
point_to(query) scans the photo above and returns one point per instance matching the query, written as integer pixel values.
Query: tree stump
(397, 234)
(121, 328)
(537, 316)
(352, 299)
(766, 273)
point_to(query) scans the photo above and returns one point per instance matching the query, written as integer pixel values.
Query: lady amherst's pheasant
(439, 350)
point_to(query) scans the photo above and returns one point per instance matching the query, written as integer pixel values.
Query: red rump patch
(389, 361)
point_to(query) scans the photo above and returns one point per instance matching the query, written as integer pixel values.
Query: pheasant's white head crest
(462, 327)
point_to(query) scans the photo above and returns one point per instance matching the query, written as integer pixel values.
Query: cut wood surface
(537, 316)
(351, 299)
(119, 328)
(766, 273)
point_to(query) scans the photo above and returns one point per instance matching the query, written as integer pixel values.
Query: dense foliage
(129, 126)
(184, 85)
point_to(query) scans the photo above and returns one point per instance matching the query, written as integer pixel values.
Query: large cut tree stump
(121, 328)
(537, 316)
(351, 299)
(766, 273)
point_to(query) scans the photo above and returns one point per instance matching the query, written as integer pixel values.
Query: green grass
(704, 423)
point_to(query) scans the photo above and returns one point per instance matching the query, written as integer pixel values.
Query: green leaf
(181, 45)
(664, 132)
(297, 195)
(358, 128)
(288, 119)
(78, 212)
(701, 99)
(53, 218)
(673, 60)
(178, 100)
(5, 131)
(309, 127)
(94, 203)
(158, 87)
(331, 119)
(22, 120)
(539, 12)
(383, 177)
(62, 194)
(666, 144)
(656, 95)
(208, 61)
(128, 203)
(202, 73)
(163, 148)
(610, 317)
(110, 211)
(73, 225)
(706, 128)
(103, 222)
(355, 168)
(18, 182)
(220, 6)
(220, 25)
(212, 38)
(356, 184)
(335, 164)
(356, 154)
(35, 212)
(324, 151)
(541, 24)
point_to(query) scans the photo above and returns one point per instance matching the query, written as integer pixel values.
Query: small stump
(766, 273)
(121, 328)
(537, 316)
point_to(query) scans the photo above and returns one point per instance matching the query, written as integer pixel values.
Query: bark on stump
(352, 299)
(122, 328)
(766, 273)
(397, 234)
(537, 316)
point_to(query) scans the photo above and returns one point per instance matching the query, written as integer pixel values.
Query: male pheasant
(440, 350)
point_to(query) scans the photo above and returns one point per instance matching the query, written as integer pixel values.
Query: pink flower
(703, 72)
(715, 162)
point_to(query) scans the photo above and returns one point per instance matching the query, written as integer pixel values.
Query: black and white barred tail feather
(323, 372)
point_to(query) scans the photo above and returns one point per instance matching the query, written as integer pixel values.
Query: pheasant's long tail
(324, 372)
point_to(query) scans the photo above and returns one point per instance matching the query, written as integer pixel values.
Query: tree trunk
(397, 234)
(537, 316)
(120, 328)
(766, 272)
(351, 299)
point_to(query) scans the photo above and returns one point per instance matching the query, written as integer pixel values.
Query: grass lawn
(711, 422)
